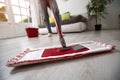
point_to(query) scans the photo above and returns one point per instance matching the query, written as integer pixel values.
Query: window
(21, 11)
(15, 17)
(16, 11)
(3, 12)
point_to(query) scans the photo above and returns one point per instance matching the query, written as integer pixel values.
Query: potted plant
(96, 9)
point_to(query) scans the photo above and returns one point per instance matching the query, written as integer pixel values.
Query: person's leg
(56, 9)
(44, 14)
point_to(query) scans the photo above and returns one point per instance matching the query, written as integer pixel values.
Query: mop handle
(56, 21)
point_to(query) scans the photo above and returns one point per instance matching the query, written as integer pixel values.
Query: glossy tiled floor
(97, 67)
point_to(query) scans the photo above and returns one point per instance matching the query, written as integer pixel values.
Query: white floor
(97, 67)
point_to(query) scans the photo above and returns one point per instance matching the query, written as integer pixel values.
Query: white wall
(111, 20)
(9, 30)
(79, 7)
(34, 13)
(73, 6)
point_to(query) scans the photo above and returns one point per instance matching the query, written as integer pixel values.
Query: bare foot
(49, 35)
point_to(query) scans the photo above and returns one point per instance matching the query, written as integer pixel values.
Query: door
(15, 16)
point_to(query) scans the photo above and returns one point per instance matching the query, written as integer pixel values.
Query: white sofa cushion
(74, 27)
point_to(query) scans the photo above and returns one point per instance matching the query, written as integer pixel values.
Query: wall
(79, 7)
(112, 21)
(73, 6)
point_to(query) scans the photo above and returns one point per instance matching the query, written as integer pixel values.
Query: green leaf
(97, 8)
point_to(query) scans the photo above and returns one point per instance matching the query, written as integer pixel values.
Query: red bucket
(32, 32)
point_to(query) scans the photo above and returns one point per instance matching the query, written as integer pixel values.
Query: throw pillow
(51, 19)
(65, 16)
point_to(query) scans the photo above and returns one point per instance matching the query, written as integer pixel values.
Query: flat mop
(64, 48)
(30, 56)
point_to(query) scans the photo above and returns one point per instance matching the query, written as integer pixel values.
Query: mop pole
(62, 40)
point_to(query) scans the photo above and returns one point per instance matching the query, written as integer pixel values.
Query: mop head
(54, 53)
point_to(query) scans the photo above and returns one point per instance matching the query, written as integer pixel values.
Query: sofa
(69, 23)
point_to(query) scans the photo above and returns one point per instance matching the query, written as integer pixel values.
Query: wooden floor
(97, 67)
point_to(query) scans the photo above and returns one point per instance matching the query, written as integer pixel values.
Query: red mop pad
(57, 52)
(54, 53)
